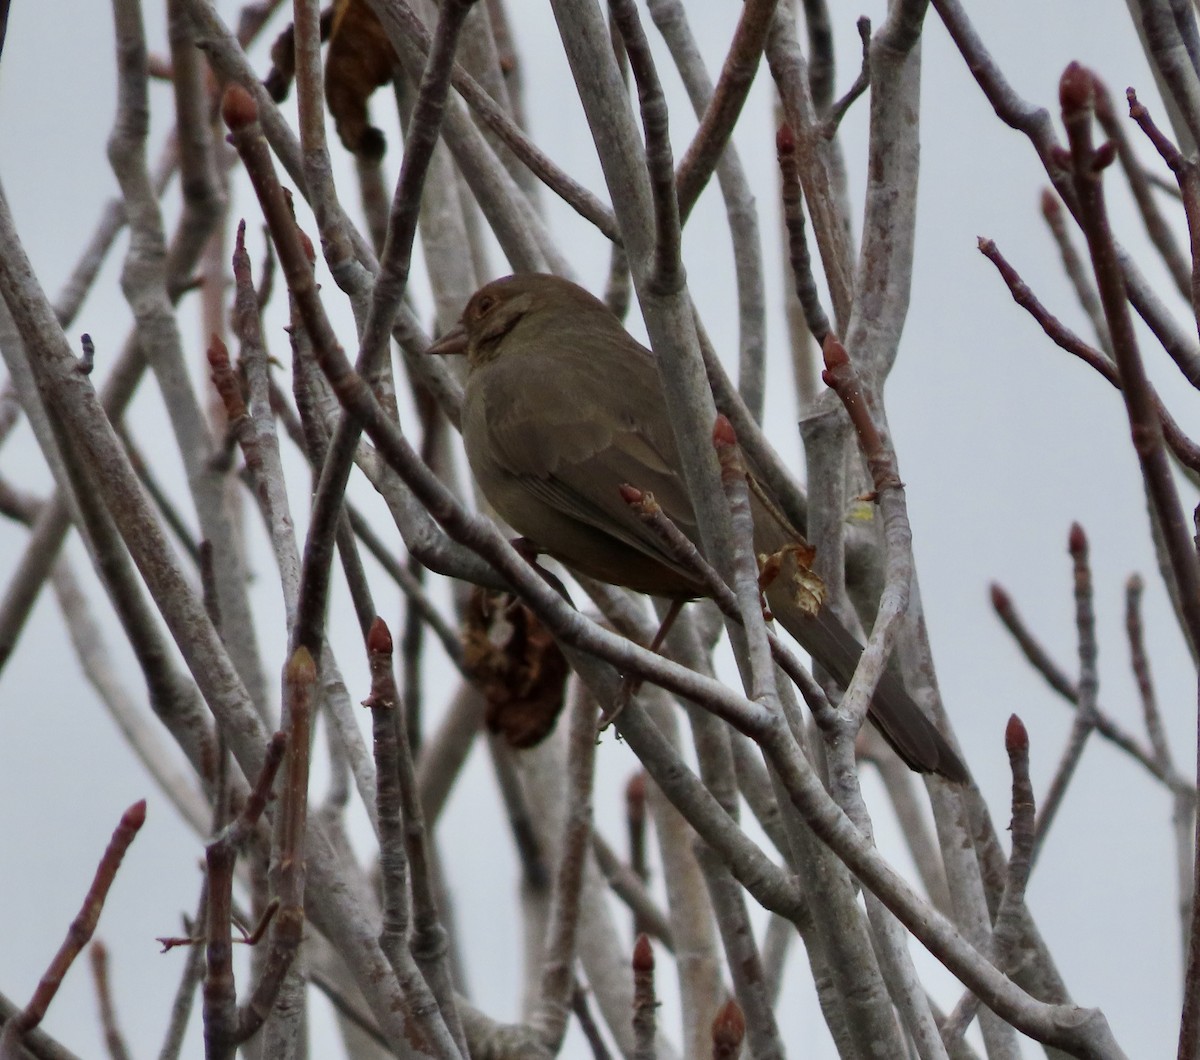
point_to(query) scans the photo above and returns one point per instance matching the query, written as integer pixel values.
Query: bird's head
(528, 301)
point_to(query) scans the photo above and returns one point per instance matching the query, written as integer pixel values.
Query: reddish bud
(630, 494)
(1051, 207)
(643, 954)
(1001, 601)
(379, 638)
(218, 353)
(276, 745)
(1076, 88)
(1134, 583)
(728, 1029)
(1105, 154)
(1077, 542)
(238, 108)
(224, 380)
(785, 140)
(635, 796)
(307, 244)
(723, 432)
(135, 816)
(1016, 736)
(834, 352)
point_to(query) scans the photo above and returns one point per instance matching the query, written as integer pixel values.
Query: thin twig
(424, 973)
(668, 266)
(1058, 680)
(35, 1043)
(1076, 270)
(1008, 925)
(1036, 124)
(1183, 802)
(144, 283)
(189, 980)
(390, 285)
(1157, 228)
(861, 83)
(645, 1024)
(220, 999)
(1185, 450)
(1076, 93)
(746, 970)
(793, 218)
(721, 115)
(1188, 176)
(556, 987)
(114, 1040)
(587, 1024)
(670, 16)
(686, 553)
(78, 934)
(393, 858)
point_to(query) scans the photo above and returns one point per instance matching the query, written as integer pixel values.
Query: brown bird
(563, 406)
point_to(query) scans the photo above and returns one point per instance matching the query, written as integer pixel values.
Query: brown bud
(1077, 542)
(1016, 736)
(723, 432)
(310, 251)
(238, 108)
(379, 638)
(218, 353)
(834, 352)
(643, 954)
(135, 816)
(635, 796)
(1001, 601)
(1076, 88)
(728, 1029)
(1105, 154)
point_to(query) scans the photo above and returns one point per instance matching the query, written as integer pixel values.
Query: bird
(562, 408)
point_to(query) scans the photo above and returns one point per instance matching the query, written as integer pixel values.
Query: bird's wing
(573, 452)
(588, 489)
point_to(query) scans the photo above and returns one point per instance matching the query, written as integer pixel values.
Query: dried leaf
(791, 566)
(791, 562)
(517, 666)
(283, 58)
(360, 60)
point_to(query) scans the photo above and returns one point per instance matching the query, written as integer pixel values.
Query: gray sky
(1003, 442)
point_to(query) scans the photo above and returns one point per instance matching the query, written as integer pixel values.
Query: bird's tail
(895, 714)
(819, 632)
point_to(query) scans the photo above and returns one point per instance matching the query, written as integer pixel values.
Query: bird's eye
(485, 305)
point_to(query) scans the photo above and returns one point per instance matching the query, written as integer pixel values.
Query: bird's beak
(454, 341)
